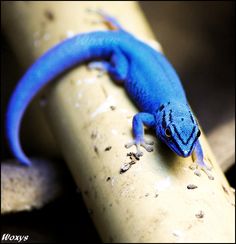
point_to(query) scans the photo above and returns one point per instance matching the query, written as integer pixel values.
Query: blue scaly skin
(148, 77)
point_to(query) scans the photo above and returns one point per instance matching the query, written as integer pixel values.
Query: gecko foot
(147, 144)
(200, 165)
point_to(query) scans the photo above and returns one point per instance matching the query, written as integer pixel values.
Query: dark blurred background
(198, 38)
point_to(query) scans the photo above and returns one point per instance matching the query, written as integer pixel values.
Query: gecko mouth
(176, 148)
(183, 152)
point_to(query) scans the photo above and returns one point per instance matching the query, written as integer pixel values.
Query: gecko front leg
(139, 120)
(199, 163)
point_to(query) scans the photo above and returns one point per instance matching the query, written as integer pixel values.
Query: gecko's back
(152, 80)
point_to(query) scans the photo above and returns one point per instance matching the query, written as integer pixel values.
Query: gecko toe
(197, 172)
(211, 177)
(208, 167)
(129, 144)
(148, 148)
(200, 165)
(147, 145)
(149, 142)
(139, 154)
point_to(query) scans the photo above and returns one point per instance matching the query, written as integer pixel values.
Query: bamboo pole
(158, 199)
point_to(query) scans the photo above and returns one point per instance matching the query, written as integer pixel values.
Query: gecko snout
(186, 153)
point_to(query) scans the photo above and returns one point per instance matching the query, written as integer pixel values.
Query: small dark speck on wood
(108, 148)
(49, 15)
(133, 156)
(112, 107)
(96, 150)
(225, 189)
(124, 167)
(191, 186)
(200, 215)
(127, 166)
(94, 135)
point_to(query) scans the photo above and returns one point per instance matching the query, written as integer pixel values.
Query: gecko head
(177, 128)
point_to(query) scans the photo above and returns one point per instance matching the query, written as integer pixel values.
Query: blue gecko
(148, 77)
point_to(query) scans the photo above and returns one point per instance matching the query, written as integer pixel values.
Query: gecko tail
(111, 22)
(67, 54)
(23, 159)
(13, 120)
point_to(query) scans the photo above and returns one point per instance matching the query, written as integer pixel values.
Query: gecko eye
(168, 132)
(199, 133)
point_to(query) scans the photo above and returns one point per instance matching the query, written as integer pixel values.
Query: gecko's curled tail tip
(25, 162)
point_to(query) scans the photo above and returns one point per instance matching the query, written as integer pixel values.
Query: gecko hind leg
(117, 66)
(199, 163)
(139, 120)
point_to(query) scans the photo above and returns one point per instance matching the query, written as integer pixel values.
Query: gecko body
(148, 77)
